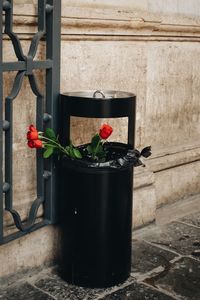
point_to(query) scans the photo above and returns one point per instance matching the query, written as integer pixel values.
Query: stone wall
(150, 48)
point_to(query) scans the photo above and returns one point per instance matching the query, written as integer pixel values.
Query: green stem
(54, 142)
(95, 151)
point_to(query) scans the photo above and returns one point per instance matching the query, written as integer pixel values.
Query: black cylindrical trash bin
(96, 218)
(96, 199)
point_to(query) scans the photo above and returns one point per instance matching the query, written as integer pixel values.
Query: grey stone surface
(61, 290)
(146, 257)
(175, 236)
(193, 219)
(182, 279)
(23, 292)
(163, 268)
(137, 291)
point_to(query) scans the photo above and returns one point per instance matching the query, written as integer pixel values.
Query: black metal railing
(49, 15)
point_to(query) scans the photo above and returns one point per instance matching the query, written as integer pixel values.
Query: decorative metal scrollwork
(48, 13)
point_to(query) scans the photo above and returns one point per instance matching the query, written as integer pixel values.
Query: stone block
(137, 292)
(39, 247)
(193, 219)
(23, 292)
(143, 196)
(177, 237)
(176, 183)
(182, 279)
(146, 257)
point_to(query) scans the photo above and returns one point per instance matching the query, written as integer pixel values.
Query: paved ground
(166, 265)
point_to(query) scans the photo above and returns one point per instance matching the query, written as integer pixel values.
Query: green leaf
(95, 140)
(101, 155)
(48, 152)
(50, 134)
(71, 152)
(99, 148)
(90, 149)
(77, 153)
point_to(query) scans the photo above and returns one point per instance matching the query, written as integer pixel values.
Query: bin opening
(118, 156)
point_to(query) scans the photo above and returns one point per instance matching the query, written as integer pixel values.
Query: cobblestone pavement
(166, 265)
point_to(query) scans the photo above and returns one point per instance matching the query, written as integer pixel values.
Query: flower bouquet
(99, 151)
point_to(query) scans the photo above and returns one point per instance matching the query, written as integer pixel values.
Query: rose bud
(35, 144)
(31, 144)
(38, 144)
(32, 128)
(32, 135)
(105, 131)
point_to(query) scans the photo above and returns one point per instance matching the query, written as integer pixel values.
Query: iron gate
(49, 15)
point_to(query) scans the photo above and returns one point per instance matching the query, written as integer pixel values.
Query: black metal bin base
(96, 221)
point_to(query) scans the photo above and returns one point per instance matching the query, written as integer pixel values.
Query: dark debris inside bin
(118, 156)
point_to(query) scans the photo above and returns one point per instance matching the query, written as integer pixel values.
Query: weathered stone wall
(150, 48)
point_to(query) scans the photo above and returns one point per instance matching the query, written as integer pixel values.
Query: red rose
(32, 135)
(35, 144)
(105, 131)
(31, 144)
(32, 128)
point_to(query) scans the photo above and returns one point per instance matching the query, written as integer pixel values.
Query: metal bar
(9, 16)
(26, 226)
(46, 64)
(39, 123)
(53, 32)
(13, 66)
(40, 161)
(42, 15)
(1, 130)
(8, 30)
(34, 43)
(35, 88)
(21, 65)
(8, 154)
(64, 122)
(19, 234)
(131, 124)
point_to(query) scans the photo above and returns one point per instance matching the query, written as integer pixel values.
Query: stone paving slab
(24, 292)
(163, 269)
(193, 219)
(137, 291)
(61, 290)
(182, 279)
(146, 257)
(175, 236)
